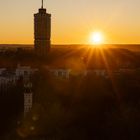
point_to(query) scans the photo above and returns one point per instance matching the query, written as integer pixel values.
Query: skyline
(72, 21)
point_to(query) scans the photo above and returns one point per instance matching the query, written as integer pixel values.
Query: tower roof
(42, 10)
(42, 4)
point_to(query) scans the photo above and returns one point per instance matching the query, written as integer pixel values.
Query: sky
(72, 20)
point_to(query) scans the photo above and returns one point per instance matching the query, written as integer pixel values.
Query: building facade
(28, 98)
(42, 31)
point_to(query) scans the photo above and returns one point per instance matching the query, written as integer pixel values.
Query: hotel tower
(42, 31)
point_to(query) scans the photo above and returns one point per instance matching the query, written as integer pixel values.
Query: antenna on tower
(42, 4)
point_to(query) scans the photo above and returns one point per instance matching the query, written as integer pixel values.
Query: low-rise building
(2, 70)
(24, 70)
(97, 72)
(62, 73)
(11, 77)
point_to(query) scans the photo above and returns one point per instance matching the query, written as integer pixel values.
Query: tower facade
(28, 97)
(42, 31)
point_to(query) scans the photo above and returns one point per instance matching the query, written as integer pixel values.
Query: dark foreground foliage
(80, 109)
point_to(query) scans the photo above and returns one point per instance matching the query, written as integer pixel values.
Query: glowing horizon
(72, 23)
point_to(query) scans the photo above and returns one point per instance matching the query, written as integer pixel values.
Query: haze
(72, 20)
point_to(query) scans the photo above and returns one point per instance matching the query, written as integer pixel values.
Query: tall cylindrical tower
(42, 31)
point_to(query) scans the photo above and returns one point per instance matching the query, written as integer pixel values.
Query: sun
(97, 38)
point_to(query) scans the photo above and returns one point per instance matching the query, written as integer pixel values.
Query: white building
(61, 73)
(28, 101)
(97, 72)
(10, 77)
(2, 70)
(28, 98)
(24, 70)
